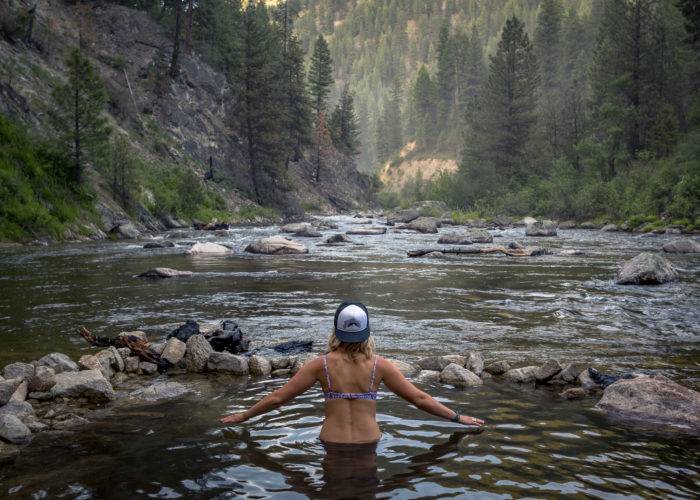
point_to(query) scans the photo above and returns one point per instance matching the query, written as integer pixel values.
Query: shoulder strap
(328, 375)
(374, 369)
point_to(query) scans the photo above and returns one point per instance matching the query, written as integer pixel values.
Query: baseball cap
(351, 322)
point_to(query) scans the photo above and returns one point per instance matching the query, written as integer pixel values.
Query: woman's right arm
(399, 385)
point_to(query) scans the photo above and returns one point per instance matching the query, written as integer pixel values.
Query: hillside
(187, 160)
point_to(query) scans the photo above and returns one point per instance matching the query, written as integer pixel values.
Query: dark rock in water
(338, 238)
(294, 346)
(646, 269)
(184, 332)
(229, 338)
(307, 232)
(682, 246)
(516, 245)
(604, 380)
(159, 244)
(212, 226)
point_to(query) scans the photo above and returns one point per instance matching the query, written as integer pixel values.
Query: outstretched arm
(298, 384)
(399, 385)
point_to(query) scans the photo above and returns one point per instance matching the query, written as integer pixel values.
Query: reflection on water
(517, 309)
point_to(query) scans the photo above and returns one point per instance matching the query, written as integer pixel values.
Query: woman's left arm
(298, 384)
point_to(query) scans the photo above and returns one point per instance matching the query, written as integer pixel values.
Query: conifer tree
(78, 112)
(474, 74)
(320, 74)
(323, 143)
(424, 103)
(299, 119)
(393, 121)
(343, 125)
(446, 66)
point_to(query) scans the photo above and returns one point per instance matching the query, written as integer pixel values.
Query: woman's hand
(234, 418)
(467, 420)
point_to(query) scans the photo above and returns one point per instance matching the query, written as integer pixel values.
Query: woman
(350, 375)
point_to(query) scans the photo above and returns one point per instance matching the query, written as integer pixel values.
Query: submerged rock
(435, 363)
(682, 246)
(159, 244)
(276, 245)
(227, 362)
(522, 375)
(164, 272)
(160, 390)
(294, 346)
(653, 399)
(87, 384)
(543, 228)
(497, 368)
(338, 239)
(574, 393)
(459, 376)
(308, 232)
(424, 225)
(646, 269)
(208, 248)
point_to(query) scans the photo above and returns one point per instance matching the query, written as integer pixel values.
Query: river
(520, 309)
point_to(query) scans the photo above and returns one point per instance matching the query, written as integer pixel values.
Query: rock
(456, 359)
(88, 384)
(430, 206)
(570, 372)
(119, 379)
(407, 369)
(516, 245)
(159, 244)
(69, 420)
(548, 370)
(7, 389)
(23, 371)
(13, 430)
(89, 362)
(40, 396)
(502, 221)
(59, 362)
(459, 376)
(164, 272)
(543, 228)
(210, 226)
(116, 361)
(527, 220)
(402, 216)
(105, 361)
(521, 375)
(184, 332)
(125, 231)
(227, 362)
(138, 335)
(124, 352)
(20, 409)
(276, 245)
(477, 235)
(295, 227)
(300, 361)
(34, 425)
(359, 220)
(454, 239)
(157, 347)
(197, 354)
(294, 346)
(567, 224)
(497, 367)
(308, 232)
(609, 228)
(284, 372)
(131, 364)
(423, 225)
(654, 399)
(148, 368)
(174, 351)
(682, 246)
(279, 363)
(367, 231)
(228, 338)
(428, 377)
(43, 380)
(574, 393)
(20, 393)
(435, 363)
(584, 379)
(646, 269)
(589, 225)
(208, 248)
(160, 390)
(259, 366)
(338, 239)
(571, 252)
(475, 362)
(435, 255)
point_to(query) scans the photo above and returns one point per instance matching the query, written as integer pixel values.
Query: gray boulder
(456, 359)
(477, 235)
(541, 228)
(435, 363)
(521, 375)
(424, 225)
(295, 227)
(59, 362)
(279, 363)
(23, 371)
(682, 246)
(164, 272)
(475, 362)
(497, 368)
(428, 377)
(567, 224)
(338, 239)
(646, 269)
(13, 430)
(308, 232)
(20, 409)
(227, 362)
(88, 384)
(548, 370)
(584, 380)
(276, 245)
(125, 231)
(454, 239)
(259, 366)
(407, 369)
(208, 248)
(653, 399)
(570, 373)
(402, 216)
(8, 388)
(609, 228)
(147, 368)
(459, 376)
(367, 231)
(43, 380)
(198, 352)
(174, 351)
(574, 393)
(160, 390)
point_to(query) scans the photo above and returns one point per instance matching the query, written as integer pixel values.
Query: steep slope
(397, 174)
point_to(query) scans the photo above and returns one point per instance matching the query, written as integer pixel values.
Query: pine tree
(77, 115)
(343, 125)
(299, 117)
(424, 103)
(323, 143)
(474, 74)
(446, 64)
(393, 121)
(320, 74)
(507, 111)
(381, 144)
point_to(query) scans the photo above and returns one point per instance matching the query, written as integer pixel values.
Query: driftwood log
(138, 346)
(513, 252)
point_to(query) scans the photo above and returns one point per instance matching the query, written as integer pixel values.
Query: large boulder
(174, 351)
(646, 269)
(23, 371)
(227, 362)
(276, 245)
(59, 362)
(459, 376)
(477, 235)
(308, 232)
(424, 225)
(136, 334)
(541, 228)
(607, 228)
(208, 248)
(454, 239)
(407, 369)
(259, 366)
(295, 227)
(474, 362)
(20, 409)
(568, 224)
(164, 272)
(682, 246)
(569, 373)
(402, 216)
(338, 239)
(43, 380)
(160, 390)
(428, 377)
(653, 399)
(125, 231)
(88, 384)
(548, 370)
(198, 352)
(13, 430)
(435, 363)
(497, 368)
(521, 375)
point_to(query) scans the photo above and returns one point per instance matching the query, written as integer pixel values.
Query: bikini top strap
(328, 375)
(374, 369)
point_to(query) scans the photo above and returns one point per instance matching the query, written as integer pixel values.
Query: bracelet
(455, 418)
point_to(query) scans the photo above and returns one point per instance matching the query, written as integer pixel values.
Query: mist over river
(520, 309)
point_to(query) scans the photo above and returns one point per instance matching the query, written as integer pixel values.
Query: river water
(520, 309)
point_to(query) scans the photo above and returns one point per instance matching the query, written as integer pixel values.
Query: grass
(255, 212)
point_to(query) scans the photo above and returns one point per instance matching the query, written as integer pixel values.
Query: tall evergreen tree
(320, 74)
(78, 112)
(425, 106)
(474, 74)
(446, 66)
(299, 119)
(343, 125)
(393, 121)
(509, 99)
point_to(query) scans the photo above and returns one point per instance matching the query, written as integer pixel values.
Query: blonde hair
(352, 349)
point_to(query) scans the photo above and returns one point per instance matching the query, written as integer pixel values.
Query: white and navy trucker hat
(351, 322)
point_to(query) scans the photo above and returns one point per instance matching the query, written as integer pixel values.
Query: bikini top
(330, 394)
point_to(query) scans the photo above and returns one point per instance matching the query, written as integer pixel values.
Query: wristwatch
(455, 418)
